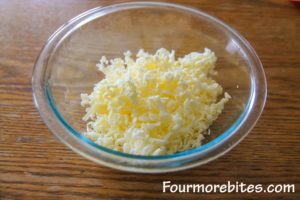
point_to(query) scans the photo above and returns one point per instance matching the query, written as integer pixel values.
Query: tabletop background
(35, 165)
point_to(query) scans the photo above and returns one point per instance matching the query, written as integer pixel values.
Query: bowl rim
(42, 93)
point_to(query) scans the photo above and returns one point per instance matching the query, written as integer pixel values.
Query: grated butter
(154, 104)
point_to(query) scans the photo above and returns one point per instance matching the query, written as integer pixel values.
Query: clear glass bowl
(66, 67)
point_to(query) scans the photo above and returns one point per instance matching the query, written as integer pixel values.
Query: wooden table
(35, 165)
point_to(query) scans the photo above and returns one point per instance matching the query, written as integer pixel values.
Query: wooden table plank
(35, 165)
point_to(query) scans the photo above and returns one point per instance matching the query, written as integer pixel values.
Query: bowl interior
(71, 68)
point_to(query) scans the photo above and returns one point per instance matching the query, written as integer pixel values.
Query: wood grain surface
(35, 165)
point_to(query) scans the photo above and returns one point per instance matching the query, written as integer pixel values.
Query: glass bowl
(66, 67)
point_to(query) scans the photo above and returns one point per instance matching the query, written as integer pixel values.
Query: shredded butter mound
(154, 104)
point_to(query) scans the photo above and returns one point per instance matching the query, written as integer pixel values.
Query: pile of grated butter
(153, 104)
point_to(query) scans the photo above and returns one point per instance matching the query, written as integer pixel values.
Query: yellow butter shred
(154, 104)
